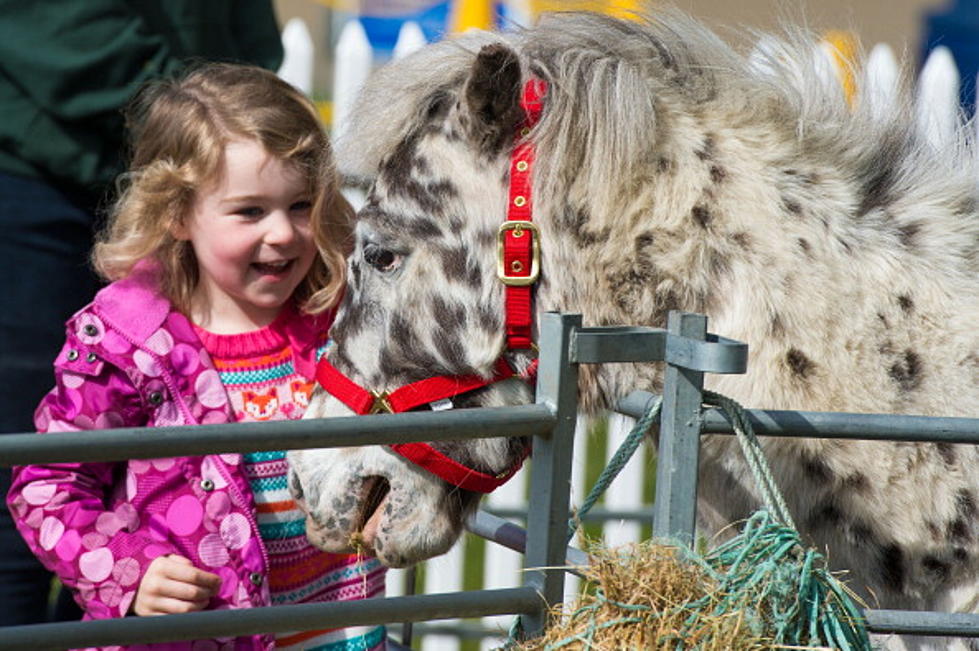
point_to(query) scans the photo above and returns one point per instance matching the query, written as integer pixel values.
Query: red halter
(518, 267)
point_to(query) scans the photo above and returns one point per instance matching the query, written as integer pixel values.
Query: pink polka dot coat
(130, 360)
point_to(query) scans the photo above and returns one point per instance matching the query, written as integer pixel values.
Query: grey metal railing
(686, 348)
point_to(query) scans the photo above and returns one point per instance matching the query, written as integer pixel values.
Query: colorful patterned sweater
(257, 370)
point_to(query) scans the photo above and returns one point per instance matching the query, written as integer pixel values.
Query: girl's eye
(382, 259)
(249, 211)
(301, 206)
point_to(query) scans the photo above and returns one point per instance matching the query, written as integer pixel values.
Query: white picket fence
(937, 107)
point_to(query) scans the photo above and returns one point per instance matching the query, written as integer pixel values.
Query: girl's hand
(173, 585)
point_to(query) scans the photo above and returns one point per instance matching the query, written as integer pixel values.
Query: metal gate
(688, 351)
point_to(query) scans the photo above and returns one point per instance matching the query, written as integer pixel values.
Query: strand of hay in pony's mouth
(650, 595)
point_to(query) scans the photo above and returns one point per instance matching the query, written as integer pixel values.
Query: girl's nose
(280, 229)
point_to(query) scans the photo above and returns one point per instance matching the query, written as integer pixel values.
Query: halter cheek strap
(452, 471)
(518, 267)
(518, 259)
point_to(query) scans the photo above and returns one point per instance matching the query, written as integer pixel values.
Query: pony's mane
(615, 82)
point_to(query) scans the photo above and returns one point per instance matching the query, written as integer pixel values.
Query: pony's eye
(380, 258)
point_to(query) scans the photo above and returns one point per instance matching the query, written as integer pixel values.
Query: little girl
(226, 255)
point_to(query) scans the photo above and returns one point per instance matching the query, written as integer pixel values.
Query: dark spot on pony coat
(937, 569)
(947, 453)
(906, 303)
(800, 365)
(351, 322)
(791, 206)
(907, 372)
(644, 240)
(718, 265)
(401, 161)
(450, 315)
(422, 228)
(397, 173)
(743, 240)
(420, 165)
(857, 483)
(965, 504)
(489, 318)
(576, 220)
(908, 233)
(402, 332)
(816, 470)
(892, 567)
(453, 352)
(860, 533)
(717, 173)
(879, 173)
(776, 327)
(706, 151)
(455, 263)
(959, 530)
(701, 216)
(825, 515)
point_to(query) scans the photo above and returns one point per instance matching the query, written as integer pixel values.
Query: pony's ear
(493, 92)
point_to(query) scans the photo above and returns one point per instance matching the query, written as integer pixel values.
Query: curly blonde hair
(178, 132)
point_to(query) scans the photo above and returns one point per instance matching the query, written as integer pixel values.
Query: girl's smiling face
(250, 232)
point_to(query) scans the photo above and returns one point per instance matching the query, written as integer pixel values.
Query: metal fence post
(547, 518)
(679, 439)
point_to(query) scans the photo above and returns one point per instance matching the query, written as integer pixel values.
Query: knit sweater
(257, 371)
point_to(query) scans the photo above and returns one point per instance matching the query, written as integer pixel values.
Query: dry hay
(646, 596)
(655, 596)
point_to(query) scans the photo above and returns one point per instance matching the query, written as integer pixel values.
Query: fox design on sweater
(301, 392)
(261, 406)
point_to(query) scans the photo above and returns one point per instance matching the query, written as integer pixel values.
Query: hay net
(762, 589)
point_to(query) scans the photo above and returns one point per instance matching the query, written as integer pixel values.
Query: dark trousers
(45, 240)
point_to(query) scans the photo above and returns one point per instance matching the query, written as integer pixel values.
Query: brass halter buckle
(381, 404)
(518, 227)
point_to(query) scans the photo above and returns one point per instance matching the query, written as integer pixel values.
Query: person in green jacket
(67, 68)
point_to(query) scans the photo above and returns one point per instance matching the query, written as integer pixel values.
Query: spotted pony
(672, 171)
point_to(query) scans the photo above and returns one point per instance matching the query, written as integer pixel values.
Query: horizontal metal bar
(832, 425)
(250, 621)
(142, 443)
(513, 536)
(642, 514)
(878, 621)
(920, 622)
(641, 344)
(460, 630)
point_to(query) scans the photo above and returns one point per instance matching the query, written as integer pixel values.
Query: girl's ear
(178, 229)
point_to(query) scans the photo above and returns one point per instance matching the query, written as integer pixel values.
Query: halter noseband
(518, 267)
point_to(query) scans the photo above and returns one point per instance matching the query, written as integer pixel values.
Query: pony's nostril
(296, 487)
(375, 490)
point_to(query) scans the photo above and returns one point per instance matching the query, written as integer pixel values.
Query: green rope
(753, 454)
(618, 461)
